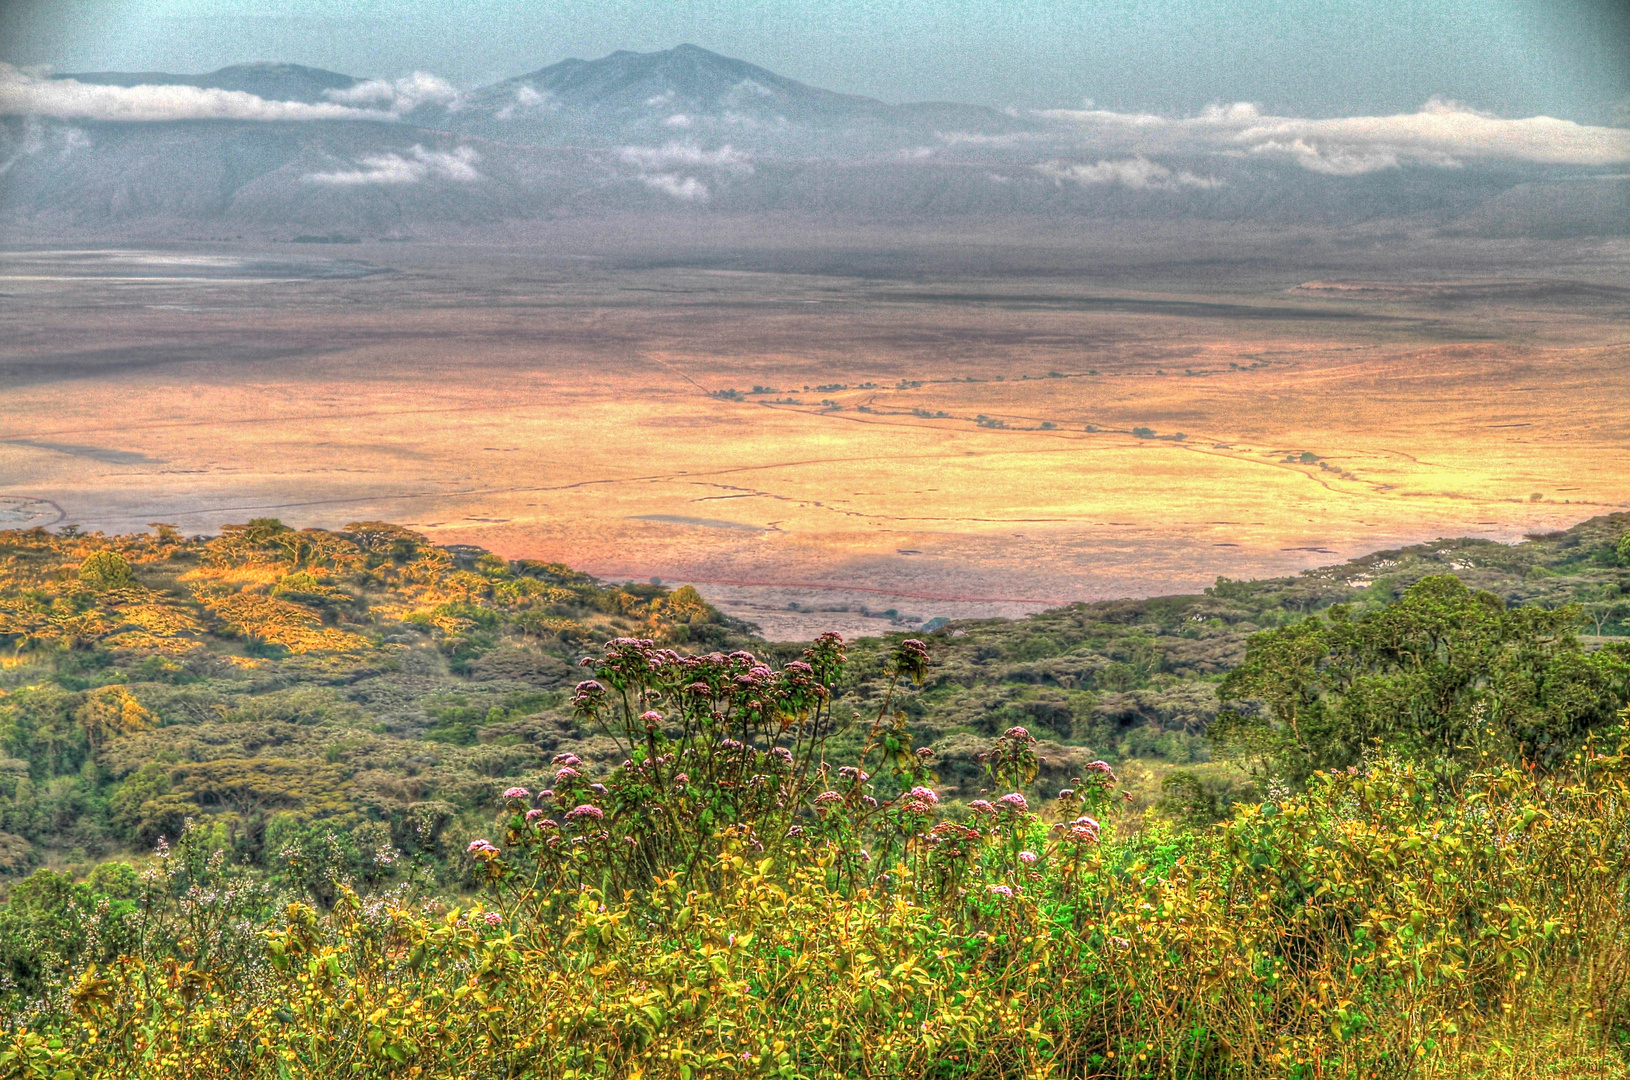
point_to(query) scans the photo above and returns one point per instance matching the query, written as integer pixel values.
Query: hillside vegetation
(1368, 821)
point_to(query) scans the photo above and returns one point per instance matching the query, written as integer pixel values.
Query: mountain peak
(684, 79)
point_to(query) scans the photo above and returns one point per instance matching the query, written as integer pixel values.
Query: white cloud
(528, 99)
(1339, 160)
(33, 93)
(1442, 134)
(678, 120)
(658, 167)
(399, 96)
(681, 154)
(1138, 173)
(419, 164)
(683, 188)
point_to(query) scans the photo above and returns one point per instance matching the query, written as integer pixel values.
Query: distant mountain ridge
(687, 128)
(272, 81)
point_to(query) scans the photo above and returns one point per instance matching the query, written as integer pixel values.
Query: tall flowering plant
(720, 751)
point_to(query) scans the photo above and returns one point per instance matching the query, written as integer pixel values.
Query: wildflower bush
(731, 902)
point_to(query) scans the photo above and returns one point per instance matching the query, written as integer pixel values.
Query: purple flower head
(1028, 857)
(598, 789)
(547, 793)
(850, 773)
(1001, 890)
(566, 760)
(1084, 830)
(566, 775)
(729, 744)
(795, 831)
(594, 813)
(782, 755)
(700, 689)
(869, 802)
(481, 849)
(681, 778)
(651, 717)
(981, 806)
(517, 793)
(588, 694)
(924, 753)
(828, 798)
(493, 918)
(1015, 733)
(1013, 803)
(926, 795)
(533, 815)
(1067, 793)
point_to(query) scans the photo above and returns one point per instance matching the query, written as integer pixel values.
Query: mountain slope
(688, 92)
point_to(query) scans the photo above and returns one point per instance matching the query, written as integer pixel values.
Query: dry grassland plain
(974, 422)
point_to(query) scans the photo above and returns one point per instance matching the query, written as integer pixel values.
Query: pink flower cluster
(1013, 803)
(517, 793)
(1083, 830)
(1103, 773)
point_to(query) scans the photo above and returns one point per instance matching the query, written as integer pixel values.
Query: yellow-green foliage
(1375, 925)
(306, 591)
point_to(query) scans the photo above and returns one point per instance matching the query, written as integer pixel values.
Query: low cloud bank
(32, 93)
(1442, 134)
(659, 167)
(684, 154)
(419, 164)
(683, 188)
(1138, 173)
(400, 96)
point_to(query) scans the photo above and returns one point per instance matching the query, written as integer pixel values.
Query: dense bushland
(318, 697)
(730, 902)
(1367, 821)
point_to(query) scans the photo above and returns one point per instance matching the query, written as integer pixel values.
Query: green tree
(105, 570)
(1442, 673)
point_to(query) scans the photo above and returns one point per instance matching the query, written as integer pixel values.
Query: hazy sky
(1565, 58)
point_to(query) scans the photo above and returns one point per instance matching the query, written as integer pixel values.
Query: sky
(1312, 58)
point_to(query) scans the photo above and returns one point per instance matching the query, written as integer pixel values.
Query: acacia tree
(1443, 673)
